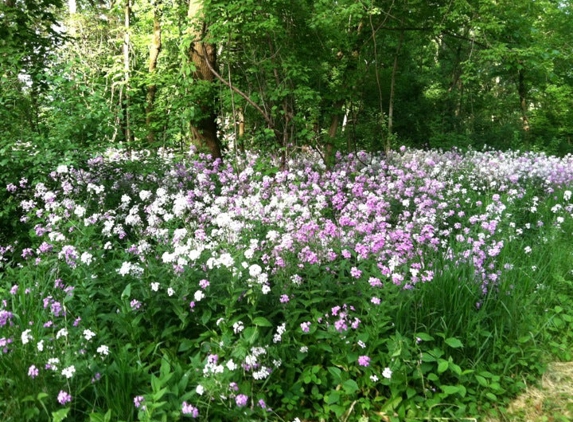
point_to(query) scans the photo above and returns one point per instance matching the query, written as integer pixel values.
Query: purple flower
(135, 304)
(355, 272)
(64, 397)
(137, 401)
(305, 326)
(204, 284)
(284, 299)
(188, 409)
(33, 372)
(241, 400)
(5, 317)
(364, 361)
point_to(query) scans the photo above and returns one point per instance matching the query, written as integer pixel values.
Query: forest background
(278, 75)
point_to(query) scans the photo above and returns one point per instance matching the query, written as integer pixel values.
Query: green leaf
(250, 334)
(424, 336)
(100, 417)
(60, 415)
(336, 374)
(126, 292)
(350, 386)
(450, 389)
(185, 345)
(206, 316)
(443, 366)
(426, 357)
(491, 396)
(332, 398)
(262, 322)
(454, 343)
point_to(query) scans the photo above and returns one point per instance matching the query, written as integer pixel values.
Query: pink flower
(364, 361)
(241, 400)
(188, 409)
(305, 326)
(64, 397)
(33, 372)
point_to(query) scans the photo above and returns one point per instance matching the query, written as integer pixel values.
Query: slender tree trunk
(332, 131)
(522, 89)
(126, 70)
(392, 89)
(154, 51)
(203, 55)
(241, 134)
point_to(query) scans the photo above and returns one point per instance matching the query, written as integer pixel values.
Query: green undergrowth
(452, 347)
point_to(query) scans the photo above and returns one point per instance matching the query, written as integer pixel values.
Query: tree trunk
(126, 70)
(203, 56)
(392, 88)
(522, 89)
(154, 51)
(332, 131)
(241, 134)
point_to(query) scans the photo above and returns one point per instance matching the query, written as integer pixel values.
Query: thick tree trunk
(203, 56)
(154, 51)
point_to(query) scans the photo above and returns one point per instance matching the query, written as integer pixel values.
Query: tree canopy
(281, 75)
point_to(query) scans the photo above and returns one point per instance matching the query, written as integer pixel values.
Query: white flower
(567, 195)
(53, 363)
(194, 254)
(255, 270)
(387, 373)
(155, 286)
(304, 349)
(89, 334)
(62, 333)
(103, 350)
(373, 378)
(250, 360)
(124, 270)
(171, 292)
(262, 373)
(199, 295)
(144, 194)
(238, 327)
(80, 211)
(86, 258)
(69, 371)
(231, 366)
(62, 168)
(26, 336)
(266, 289)
(226, 260)
(40, 346)
(200, 389)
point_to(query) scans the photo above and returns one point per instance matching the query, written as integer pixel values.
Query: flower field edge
(422, 284)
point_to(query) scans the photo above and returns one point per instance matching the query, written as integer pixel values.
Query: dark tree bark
(203, 56)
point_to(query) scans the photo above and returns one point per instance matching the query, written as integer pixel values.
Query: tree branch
(238, 91)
